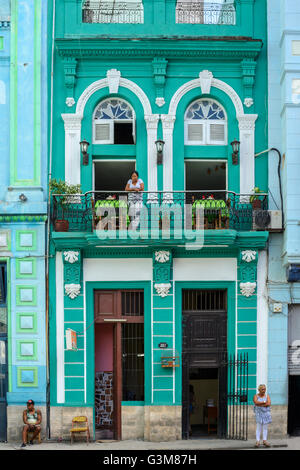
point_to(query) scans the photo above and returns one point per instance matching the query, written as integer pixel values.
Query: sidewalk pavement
(292, 443)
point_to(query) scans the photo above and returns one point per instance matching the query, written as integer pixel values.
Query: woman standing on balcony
(135, 186)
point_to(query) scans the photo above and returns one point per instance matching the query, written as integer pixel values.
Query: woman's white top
(135, 196)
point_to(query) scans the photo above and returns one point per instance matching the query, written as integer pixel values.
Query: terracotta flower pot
(61, 225)
(256, 204)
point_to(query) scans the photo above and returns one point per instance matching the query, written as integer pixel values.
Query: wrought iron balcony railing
(112, 12)
(206, 13)
(108, 210)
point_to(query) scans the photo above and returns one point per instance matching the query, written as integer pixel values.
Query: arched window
(205, 123)
(114, 122)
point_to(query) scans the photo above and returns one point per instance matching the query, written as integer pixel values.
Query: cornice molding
(94, 47)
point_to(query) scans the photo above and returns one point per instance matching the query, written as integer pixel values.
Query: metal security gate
(235, 397)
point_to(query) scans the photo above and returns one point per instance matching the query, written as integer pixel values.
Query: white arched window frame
(107, 113)
(205, 123)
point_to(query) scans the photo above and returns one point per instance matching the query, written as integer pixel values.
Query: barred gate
(234, 400)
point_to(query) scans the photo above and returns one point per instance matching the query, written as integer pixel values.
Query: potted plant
(255, 198)
(60, 189)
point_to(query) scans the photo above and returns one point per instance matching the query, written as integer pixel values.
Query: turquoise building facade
(23, 209)
(155, 312)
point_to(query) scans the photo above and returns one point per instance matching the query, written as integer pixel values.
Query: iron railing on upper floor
(112, 12)
(200, 12)
(111, 210)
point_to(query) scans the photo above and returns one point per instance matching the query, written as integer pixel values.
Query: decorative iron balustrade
(112, 12)
(220, 209)
(205, 13)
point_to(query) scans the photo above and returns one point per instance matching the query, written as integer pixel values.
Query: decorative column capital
(72, 121)
(168, 121)
(152, 121)
(247, 122)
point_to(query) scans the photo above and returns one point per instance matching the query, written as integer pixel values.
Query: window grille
(133, 361)
(196, 299)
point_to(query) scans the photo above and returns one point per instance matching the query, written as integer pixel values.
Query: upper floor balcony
(159, 216)
(186, 11)
(159, 18)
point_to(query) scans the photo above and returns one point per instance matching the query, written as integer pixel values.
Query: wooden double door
(119, 356)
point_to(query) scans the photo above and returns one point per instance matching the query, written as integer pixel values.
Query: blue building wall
(284, 134)
(23, 171)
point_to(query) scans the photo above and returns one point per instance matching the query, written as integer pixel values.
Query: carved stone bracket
(248, 271)
(163, 289)
(248, 255)
(113, 78)
(205, 81)
(70, 65)
(162, 264)
(159, 67)
(247, 288)
(248, 73)
(72, 272)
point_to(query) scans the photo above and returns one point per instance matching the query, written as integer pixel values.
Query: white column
(262, 319)
(72, 147)
(168, 121)
(151, 123)
(247, 149)
(60, 339)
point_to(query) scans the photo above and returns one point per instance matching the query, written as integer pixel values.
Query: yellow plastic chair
(30, 434)
(80, 424)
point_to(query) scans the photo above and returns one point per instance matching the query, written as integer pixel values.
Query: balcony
(112, 12)
(159, 214)
(219, 13)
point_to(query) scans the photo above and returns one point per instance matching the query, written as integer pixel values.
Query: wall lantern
(159, 149)
(236, 150)
(84, 145)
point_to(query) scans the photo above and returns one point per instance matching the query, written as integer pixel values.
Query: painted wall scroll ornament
(71, 256)
(248, 255)
(162, 289)
(248, 102)
(162, 256)
(70, 101)
(247, 288)
(72, 290)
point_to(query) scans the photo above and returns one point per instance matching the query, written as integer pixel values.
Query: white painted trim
(73, 131)
(103, 83)
(246, 129)
(204, 269)
(114, 270)
(60, 339)
(262, 318)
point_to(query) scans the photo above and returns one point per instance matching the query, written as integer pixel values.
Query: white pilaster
(72, 147)
(60, 340)
(152, 123)
(247, 150)
(262, 319)
(168, 126)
